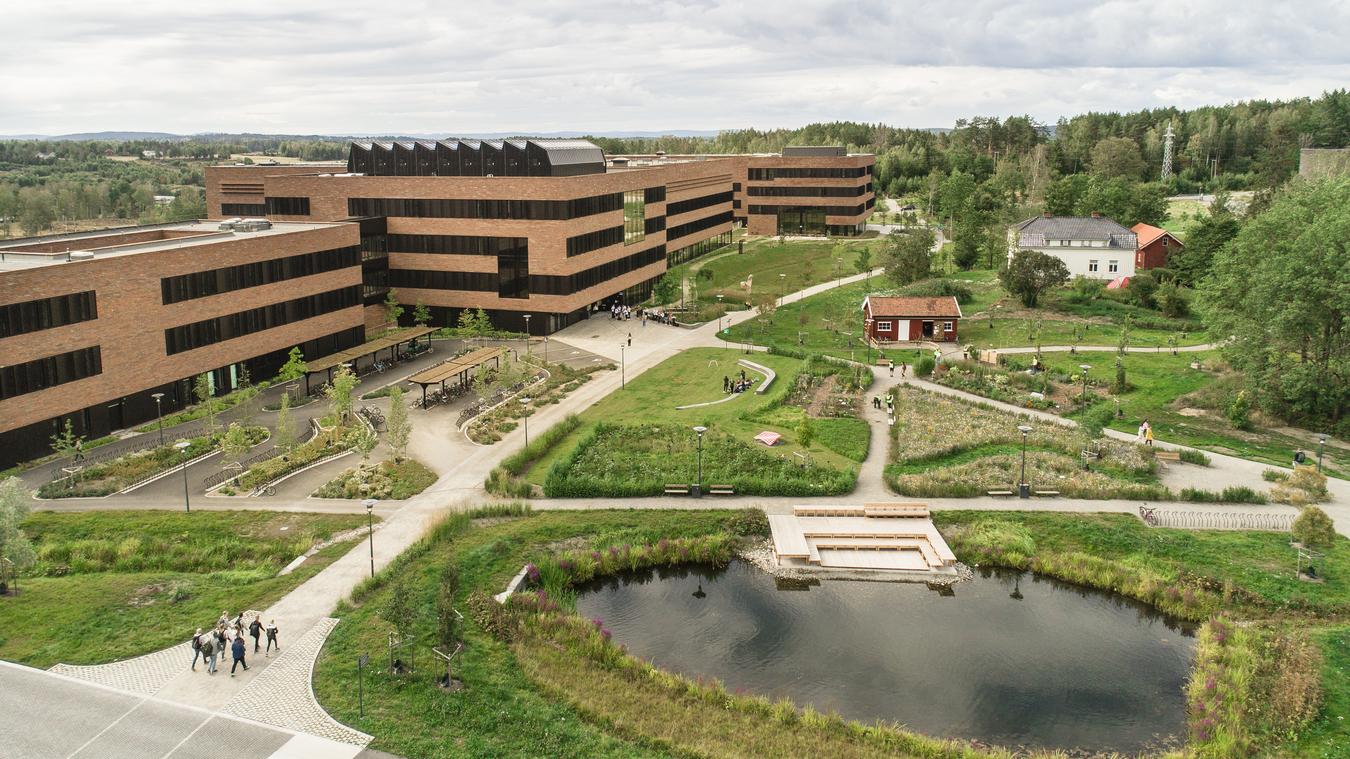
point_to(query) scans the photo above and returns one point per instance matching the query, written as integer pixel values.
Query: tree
(284, 434)
(665, 289)
(398, 427)
(1170, 300)
(447, 618)
(14, 545)
(804, 432)
(202, 390)
(339, 393)
(399, 612)
(1278, 295)
(1314, 529)
(295, 366)
(956, 195)
(863, 263)
(37, 215)
(1117, 157)
(966, 246)
(392, 308)
(1121, 384)
(1204, 240)
(365, 442)
(421, 314)
(67, 443)
(234, 444)
(483, 382)
(908, 257)
(1030, 273)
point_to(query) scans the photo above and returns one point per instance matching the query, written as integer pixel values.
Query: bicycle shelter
(460, 368)
(371, 348)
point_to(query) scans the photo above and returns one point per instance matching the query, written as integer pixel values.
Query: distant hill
(101, 136)
(225, 136)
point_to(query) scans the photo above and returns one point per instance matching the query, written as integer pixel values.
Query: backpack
(208, 647)
(196, 643)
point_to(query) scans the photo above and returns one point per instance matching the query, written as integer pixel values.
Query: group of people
(1145, 435)
(890, 403)
(228, 635)
(625, 313)
(736, 384)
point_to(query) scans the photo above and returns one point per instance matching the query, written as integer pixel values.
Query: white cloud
(521, 65)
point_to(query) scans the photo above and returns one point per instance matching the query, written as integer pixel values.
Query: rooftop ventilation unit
(252, 225)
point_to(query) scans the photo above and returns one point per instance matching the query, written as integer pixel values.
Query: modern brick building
(92, 324)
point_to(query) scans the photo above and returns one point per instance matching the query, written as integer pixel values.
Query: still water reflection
(1010, 658)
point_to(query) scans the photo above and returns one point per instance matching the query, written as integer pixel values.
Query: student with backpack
(255, 630)
(271, 630)
(208, 646)
(237, 649)
(197, 649)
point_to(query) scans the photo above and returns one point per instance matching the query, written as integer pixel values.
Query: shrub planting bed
(387, 480)
(320, 446)
(562, 380)
(108, 477)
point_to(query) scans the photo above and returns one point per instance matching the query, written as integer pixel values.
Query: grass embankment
(635, 441)
(557, 687)
(110, 585)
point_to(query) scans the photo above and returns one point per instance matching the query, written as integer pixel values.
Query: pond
(1010, 658)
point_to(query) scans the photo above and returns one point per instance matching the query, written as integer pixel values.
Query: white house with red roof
(891, 319)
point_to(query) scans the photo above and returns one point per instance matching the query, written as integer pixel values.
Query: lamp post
(698, 486)
(1321, 445)
(527, 333)
(623, 367)
(159, 416)
(867, 336)
(182, 445)
(1085, 368)
(369, 503)
(1023, 489)
(526, 419)
(782, 282)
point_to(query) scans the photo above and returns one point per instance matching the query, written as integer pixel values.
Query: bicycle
(1149, 516)
(264, 490)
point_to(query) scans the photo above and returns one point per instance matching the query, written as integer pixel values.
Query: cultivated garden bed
(108, 477)
(562, 380)
(388, 480)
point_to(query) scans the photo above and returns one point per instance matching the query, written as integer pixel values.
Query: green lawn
(694, 376)
(120, 584)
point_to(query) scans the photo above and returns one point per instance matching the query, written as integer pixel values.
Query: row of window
(810, 192)
(221, 328)
(513, 279)
(697, 225)
(42, 373)
(471, 281)
(46, 313)
(463, 245)
(287, 206)
(596, 275)
(243, 209)
(589, 241)
(230, 278)
(654, 194)
(1111, 266)
(886, 326)
(690, 252)
(827, 210)
(765, 175)
(534, 210)
(693, 204)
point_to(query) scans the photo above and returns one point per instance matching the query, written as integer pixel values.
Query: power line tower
(1167, 153)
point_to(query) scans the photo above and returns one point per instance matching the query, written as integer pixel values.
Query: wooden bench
(677, 490)
(999, 492)
(721, 490)
(1046, 493)
(1167, 455)
(919, 510)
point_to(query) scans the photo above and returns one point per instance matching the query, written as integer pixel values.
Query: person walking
(197, 649)
(1148, 436)
(892, 367)
(237, 649)
(904, 368)
(209, 647)
(255, 630)
(630, 339)
(271, 630)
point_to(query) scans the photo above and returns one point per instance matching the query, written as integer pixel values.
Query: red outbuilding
(895, 319)
(1155, 246)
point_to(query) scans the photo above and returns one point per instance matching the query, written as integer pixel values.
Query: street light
(526, 418)
(698, 486)
(1023, 489)
(369, 503)
(867, 335)
(159, 416)
(623, 367)
(1321, 445)
(182, 445)
(1085, 368)
(782, 282)
(527, 333)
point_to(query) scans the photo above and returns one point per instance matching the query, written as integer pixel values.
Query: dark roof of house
(1035, 231)
(942, 307)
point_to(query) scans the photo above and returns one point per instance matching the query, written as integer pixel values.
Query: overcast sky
(338, 67)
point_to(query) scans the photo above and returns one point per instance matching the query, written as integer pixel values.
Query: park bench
(721, 490)
(919, 510)
(999, 492)
(1167, 455)
(677, 490)
(1046, 493)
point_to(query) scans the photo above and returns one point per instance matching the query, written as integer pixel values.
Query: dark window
(585, 243)
(513, 273)
(210, 331)
(471, 281)
(735, 186)
(538, 210)
(287, 206)
(243, 209)
(697, 225)
(829, 210)
(46, 313)
(463, 245)
(42, 373)
(545, 284)
(765, 175)
(809, 192)
(654, 194)
(656, 224)
(690, 252)
(693, 204)
(230, 278)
